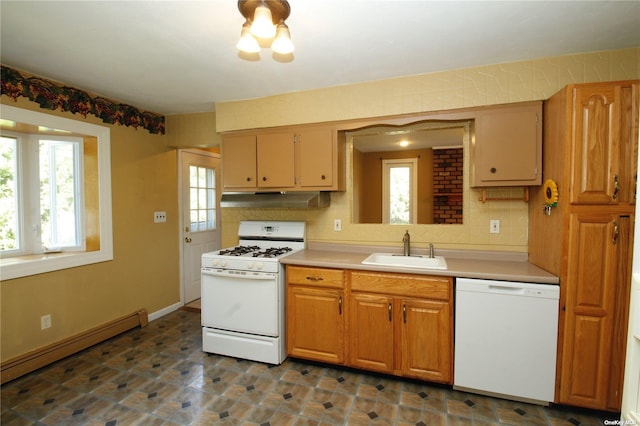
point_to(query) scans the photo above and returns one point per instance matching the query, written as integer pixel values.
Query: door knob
(187, 239)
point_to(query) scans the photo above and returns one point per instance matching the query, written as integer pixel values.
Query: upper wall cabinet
(604, 136)
(507, 150)
(284, 159)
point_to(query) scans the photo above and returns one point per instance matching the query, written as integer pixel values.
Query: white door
(200, 214)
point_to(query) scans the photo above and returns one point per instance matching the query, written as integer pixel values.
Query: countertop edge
(482, 267)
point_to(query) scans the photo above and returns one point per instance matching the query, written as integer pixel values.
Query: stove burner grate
(272, 252)
(238, 250)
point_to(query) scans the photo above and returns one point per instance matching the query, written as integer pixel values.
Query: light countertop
(507, 266)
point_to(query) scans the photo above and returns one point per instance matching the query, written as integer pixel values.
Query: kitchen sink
(413, 261)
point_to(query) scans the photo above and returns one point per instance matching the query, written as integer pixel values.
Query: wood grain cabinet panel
(315, 314)
(590, 150)
(426, 340)
(392, 331)
(603, 166)
(371, 332)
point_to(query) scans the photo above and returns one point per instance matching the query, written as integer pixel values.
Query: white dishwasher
(505, 339)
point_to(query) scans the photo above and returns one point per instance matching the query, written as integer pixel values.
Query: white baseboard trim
(165, 311)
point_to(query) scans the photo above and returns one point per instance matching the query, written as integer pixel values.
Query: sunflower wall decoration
(550, 190)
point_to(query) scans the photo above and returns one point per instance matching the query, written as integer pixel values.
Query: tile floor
(158, 375)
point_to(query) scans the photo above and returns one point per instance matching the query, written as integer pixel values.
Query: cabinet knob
(493, 170)
(248, 179)
(264, 178)
(323, 177)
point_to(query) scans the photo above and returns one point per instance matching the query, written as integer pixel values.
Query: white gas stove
(243, 292)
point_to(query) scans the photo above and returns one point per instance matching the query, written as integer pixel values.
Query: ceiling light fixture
(264, 21)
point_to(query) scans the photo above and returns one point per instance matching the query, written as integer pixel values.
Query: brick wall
(447, 185)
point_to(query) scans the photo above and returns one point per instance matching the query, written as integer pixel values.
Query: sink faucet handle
(406, 239)
(431, 251)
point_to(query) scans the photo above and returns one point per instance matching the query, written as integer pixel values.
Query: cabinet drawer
(410, 285)
(318, 277)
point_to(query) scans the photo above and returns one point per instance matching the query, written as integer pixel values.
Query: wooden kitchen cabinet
(258, 162)
(401, 324)
(239, 162)
(507, 150)
(317, 158)
(590, 151)
(314, 314)
(594, 325)
(604, 153)
(275, 160)
(304, 158)
(371, 332)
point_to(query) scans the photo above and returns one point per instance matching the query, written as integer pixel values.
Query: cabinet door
(276, 160)
(508, 146)
(315, 325)
(589, 307)
(426, 335)
(630, 117)
(604, 140)
(316, 158)
(371, 332)
(239, 162)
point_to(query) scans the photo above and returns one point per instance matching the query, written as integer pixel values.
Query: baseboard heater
(31, 361)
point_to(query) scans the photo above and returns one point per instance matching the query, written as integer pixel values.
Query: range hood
(276, 200)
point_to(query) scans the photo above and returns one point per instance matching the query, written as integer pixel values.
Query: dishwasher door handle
(505, 289)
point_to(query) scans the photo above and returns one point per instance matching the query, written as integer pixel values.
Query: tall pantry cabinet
(590, 152)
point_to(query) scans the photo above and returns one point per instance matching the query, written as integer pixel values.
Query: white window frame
(412, 164)
(21, 266)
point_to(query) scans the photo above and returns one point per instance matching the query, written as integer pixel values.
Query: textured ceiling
(180, 56)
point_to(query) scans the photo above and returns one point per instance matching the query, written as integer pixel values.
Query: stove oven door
(241, 302)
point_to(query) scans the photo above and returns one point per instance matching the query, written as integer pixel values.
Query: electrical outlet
(494, 226)
(45, 321)
(159, 217)
(337, 225)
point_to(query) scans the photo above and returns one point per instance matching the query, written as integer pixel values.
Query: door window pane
(202, 200)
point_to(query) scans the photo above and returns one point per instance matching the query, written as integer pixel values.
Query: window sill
(23, 266)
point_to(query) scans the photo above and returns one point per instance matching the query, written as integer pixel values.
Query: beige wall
(487, 85)
(145, 269)
(197, 130)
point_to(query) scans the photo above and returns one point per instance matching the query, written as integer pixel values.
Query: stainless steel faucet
(431, 251)
(407, 243)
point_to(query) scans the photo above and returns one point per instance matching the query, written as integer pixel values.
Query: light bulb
(282, 44)
(247, 43)
(263, 23)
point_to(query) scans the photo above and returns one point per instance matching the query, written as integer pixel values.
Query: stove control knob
(250, 265)
(259, 265)
(215, 262)
(223, 263)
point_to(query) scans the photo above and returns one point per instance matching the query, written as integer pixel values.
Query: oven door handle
(247, 276)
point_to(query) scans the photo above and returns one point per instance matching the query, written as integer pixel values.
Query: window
(10, 231)
(202, 198)
(61, 196)
(48, 171)
(55, 199)
(399, 191)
